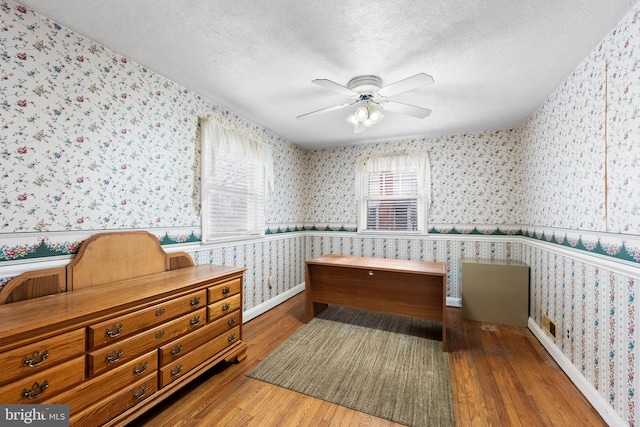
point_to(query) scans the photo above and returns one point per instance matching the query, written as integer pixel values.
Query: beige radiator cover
(495, 291)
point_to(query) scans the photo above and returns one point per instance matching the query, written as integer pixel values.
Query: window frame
(414, 163)
(218, 143)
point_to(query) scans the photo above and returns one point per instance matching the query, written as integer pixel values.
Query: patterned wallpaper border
(613, 246)
(46, 247)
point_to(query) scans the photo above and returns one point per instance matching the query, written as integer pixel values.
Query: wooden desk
(402, 287)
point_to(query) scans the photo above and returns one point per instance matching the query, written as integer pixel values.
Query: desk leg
(313, 309)
(444, 334)
(444, 314)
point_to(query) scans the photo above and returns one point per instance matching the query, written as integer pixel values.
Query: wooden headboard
(102, 258)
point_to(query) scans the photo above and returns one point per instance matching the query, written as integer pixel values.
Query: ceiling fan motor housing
(365, 84)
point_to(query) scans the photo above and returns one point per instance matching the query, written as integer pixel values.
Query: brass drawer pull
(226, 307)
(35, 391)
(114, 357)
(139, 370)
(36, 358)
(194, 302)
(231, 337)
(139, 393)
(232, 321)
(114, 331)
(175, 372)
(194, 321)
(176, 350)
(159, 334)
(160, 312)
(226, 290)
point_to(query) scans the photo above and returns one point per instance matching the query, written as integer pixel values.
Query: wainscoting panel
(274, 264)
(594, 304)
(592, 297)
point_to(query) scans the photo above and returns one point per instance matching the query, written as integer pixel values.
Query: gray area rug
(389, 366)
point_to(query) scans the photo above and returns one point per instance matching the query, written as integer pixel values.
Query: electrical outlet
(545, 321)
(549, 326)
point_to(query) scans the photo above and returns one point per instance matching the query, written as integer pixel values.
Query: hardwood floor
(501, 376)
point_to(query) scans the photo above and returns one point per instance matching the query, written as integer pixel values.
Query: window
(237, 176)
(393, 193)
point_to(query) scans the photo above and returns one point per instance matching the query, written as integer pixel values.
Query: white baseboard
(259, 309)
(454, 302)
(597, 401)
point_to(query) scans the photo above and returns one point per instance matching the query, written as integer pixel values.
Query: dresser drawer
(224, 307)
(38, 356)
(183, 365)
(40, 386)
(183, 345)
(115, 404)
(216, 293)
(114, 329)
(89, 392)
(126, 349)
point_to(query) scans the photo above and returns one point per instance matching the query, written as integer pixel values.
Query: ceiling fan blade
(405, 85)
(326, 110)
(410, 110)
(331, 85)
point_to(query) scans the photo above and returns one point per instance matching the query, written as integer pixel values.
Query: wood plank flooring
(501, 376)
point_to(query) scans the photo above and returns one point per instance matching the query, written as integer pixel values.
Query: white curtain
(217, 139)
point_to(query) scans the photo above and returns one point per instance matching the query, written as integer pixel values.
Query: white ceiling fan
(370, 98)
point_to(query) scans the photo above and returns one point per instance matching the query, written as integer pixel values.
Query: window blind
(237, 176)
(235, 198)
(392, 202)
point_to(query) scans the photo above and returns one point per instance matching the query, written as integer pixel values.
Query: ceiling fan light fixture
(375, 115)
(352, 119)
(362, 113)
(365, 116)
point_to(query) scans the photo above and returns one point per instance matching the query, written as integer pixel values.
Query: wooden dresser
(112, 346)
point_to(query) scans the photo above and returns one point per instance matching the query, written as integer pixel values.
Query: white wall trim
(16, 269)
(262, 308)
(590, 393)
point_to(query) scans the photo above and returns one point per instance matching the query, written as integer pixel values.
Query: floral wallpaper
(581, 152)
(475, 178)
(580, 163)
(93, 141)
(90, 141)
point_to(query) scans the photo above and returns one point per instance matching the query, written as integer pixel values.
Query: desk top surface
(400, 265)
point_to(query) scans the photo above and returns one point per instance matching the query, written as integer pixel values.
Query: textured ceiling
(493, 61)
